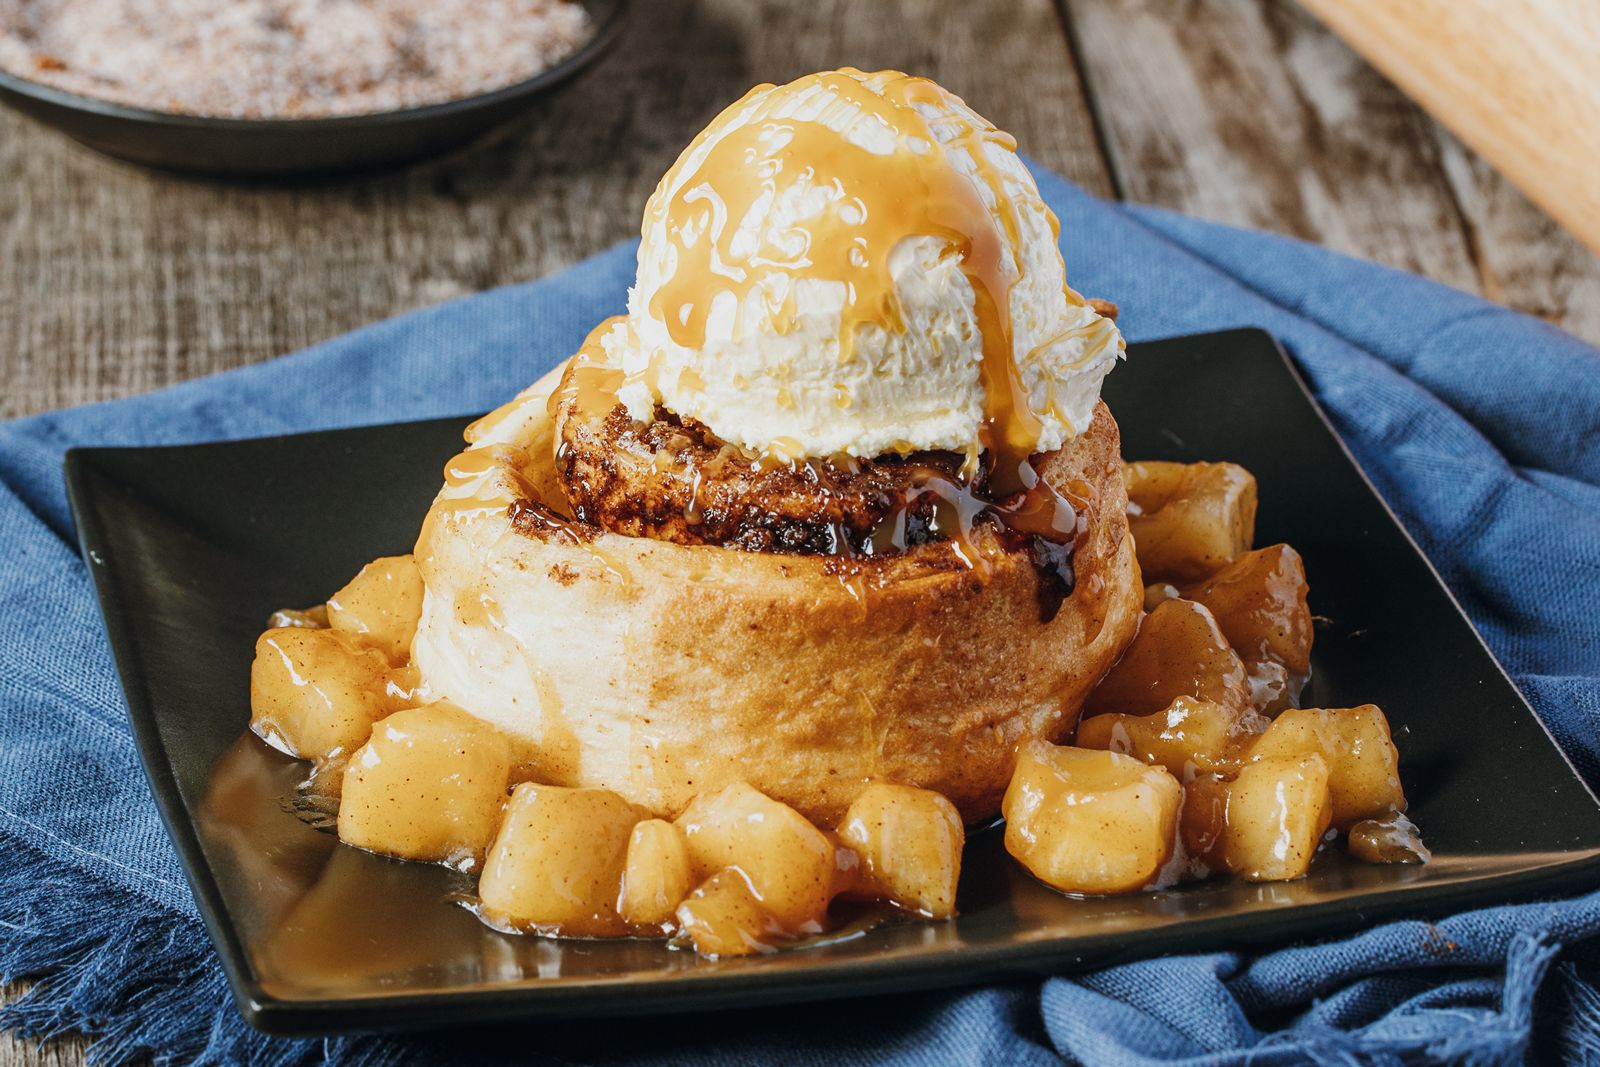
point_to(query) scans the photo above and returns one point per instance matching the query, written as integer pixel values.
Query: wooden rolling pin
(1518, 80)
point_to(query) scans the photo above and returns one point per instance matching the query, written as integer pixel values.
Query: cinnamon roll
(663, 660)
(835, 502)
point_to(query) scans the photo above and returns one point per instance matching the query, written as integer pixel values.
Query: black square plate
(192, 547)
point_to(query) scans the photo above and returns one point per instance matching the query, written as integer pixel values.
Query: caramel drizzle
(489, 478)
(1049, 523)
(876, 201)
(471, 486)
(591, 383)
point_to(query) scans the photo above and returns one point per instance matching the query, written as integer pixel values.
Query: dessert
(813, 560)
(780, 522)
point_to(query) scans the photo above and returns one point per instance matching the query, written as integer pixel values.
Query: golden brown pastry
(835, 501)
(661, 670)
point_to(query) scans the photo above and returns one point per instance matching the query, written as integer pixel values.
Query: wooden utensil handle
(1518, 80)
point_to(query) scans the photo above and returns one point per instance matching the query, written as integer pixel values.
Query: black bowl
(266, 148)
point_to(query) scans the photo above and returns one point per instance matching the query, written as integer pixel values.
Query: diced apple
(315, 692)
(1191, 736)
(1363, 765)
(1089, 821)
(381, 605)
(1391, 839)
(724, 918)
(556, 865)
(1189, 519)
(1204, 819)
(403, 687)
(1179, 651)
(909, 841)
(312, 618)
(427, 785)
(1278, 812)
(1156, 592)
(1259, 602)
(658, 874)
(789, 863)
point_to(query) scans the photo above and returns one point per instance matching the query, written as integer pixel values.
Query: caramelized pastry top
(673, 480)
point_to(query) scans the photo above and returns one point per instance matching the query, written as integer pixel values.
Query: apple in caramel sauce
(728, 629)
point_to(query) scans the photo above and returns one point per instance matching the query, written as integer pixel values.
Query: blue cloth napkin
(1481, 427)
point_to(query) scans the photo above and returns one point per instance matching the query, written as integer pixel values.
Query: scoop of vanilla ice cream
(762, 238)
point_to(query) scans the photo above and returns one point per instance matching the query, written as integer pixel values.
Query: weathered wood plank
(1250, 112)
(1246, 111)
(1514, 79)
(1524, 258)
(14, 1052)
(117, 281)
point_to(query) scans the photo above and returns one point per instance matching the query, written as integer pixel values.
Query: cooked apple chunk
(658, 874)
(1391, 839)
(1156, 592)
(556, 865)
(315, 692)
(312, 618)
(724, 918)
(1203, 822)
(788, 862)
(1089, 821)
(427, 785)
(1278, 812)
(1189, 519)
(381, 605)
(1363, 765)
(909, 841)
(1259, 602)
(403, 687)
(1179, 651)
(1190, 737)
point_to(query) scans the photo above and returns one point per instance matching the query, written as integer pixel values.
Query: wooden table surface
(114, 280)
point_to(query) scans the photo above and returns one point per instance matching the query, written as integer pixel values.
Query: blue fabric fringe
(143, 982)
(146, 985)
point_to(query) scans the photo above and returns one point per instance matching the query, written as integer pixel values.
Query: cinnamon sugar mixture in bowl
(265, 59)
